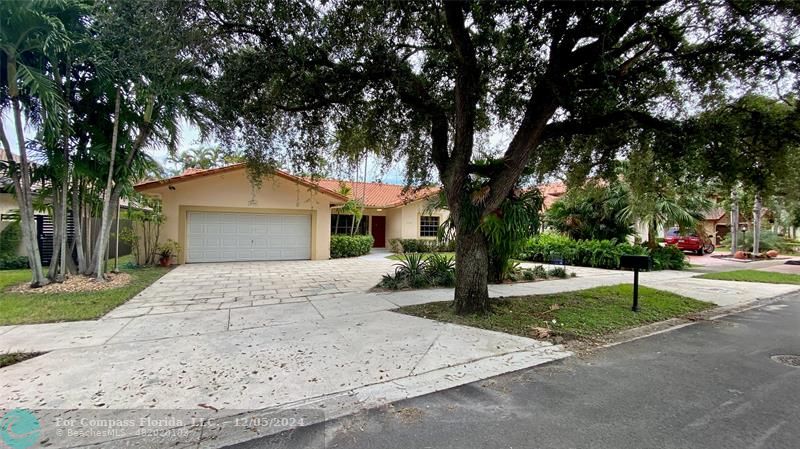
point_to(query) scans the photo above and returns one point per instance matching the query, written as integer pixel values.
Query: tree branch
(466, 90)
(590, 125)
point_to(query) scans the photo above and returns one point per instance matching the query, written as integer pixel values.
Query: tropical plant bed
(769, 277)
(76, 283)
(29, 308)
(587, 314)
(16, 357)
(427, 270)
(748, 258)
(399, 256)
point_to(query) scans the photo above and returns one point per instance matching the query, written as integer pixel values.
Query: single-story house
(217, 215)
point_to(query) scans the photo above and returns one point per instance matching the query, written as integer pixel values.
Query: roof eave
(216, 171)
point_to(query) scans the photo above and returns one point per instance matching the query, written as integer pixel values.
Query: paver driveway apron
(212, 286)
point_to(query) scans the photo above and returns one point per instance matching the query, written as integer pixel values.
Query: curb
(677, 323)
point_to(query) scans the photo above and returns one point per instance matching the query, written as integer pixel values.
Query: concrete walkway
(321, 356)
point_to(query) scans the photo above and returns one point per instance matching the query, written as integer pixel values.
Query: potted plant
(166, 250)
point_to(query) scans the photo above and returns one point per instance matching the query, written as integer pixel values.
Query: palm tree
(656, 199)
(162, 86)
(29, 32)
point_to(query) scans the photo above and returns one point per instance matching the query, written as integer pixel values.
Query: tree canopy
(425, 82)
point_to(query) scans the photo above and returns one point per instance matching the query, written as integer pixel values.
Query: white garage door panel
(223, 237)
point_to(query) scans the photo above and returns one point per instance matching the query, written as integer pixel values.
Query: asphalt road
(710, 385)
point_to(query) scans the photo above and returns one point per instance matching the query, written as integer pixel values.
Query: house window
(428, 226)
(343, 224)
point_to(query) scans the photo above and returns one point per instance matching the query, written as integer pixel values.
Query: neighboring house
(717, 222)
(551, 192)
(9, 212)
(216, 215)
(9, 208)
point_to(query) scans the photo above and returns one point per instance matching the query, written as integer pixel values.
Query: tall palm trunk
(112, 194)
(734, 220)
(77, 223)
(102, 241)
(62, 261)
(757, 225)
(22, 180)
(53, 270)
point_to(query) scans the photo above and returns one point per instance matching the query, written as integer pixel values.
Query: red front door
(378, 231)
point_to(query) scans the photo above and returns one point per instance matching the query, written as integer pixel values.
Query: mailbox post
(636, 263)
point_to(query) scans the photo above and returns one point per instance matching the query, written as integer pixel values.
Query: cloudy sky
(190, 137)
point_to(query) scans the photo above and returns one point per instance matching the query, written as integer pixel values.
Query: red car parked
(689, 241)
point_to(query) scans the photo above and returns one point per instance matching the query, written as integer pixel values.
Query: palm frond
(40, 86)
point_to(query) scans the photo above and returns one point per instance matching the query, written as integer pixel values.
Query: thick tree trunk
(734, 221)
(22, 182)
(757, 225)
(102, 242)
(652, 241)
(495, 268)
(472, 270)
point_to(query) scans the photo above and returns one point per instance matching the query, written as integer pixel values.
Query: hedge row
(12, 262)
(551, 248)
(10, 238)
(350, 245)
(421, 246)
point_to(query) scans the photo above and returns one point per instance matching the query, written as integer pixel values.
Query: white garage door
(223, 237)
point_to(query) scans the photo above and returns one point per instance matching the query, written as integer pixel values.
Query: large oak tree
(426, 82)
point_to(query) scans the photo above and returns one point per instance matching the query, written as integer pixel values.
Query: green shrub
(350, 245)
(668, 258)
(390, 282)
(10, 237)
(546, 247)
(510, 270)
(395, 246)
(539, 272)
(421, 245)
(13, 262)
(441, 270)
(411, 271)
(415, 271)
(557, 272)
(553, 248)
(591, 212)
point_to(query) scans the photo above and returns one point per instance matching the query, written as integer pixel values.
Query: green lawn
(769, 277)
(28, 308)
(16, 357)
(424, 255)
(583, 314)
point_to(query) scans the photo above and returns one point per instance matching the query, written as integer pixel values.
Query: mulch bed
(76, 283)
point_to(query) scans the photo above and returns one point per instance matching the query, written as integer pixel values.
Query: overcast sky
(190, 137)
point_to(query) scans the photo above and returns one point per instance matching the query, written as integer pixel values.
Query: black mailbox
(636, 263)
